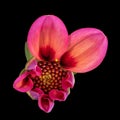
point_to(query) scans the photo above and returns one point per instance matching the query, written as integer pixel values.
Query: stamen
(51, 77)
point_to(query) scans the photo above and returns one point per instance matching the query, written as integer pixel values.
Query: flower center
(51, 77)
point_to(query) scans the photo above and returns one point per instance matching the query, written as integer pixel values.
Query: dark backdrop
(93, 92)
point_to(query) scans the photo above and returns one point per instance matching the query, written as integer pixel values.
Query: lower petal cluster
(52, 84)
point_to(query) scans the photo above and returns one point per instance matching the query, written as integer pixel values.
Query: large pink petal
(58, 95)
(47, 37)
(23, 83)
(69, 81)
(45, 103)
(86, 51)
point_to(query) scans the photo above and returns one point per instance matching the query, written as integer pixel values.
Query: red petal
(58, 95)
(45, 103)
(69, 81)
(23, 83)
(35, 93)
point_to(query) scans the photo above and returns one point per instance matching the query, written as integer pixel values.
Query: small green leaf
(27, 53)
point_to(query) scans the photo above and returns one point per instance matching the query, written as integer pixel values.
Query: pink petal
(69, 81)
(38, 71)
(38, 90)
(86, 51)
(47, 37)
(35, 93)
(45, 103)
(32, 65)
(23, 83)
(58, 95)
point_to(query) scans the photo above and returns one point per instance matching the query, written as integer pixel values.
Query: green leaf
(27, 52)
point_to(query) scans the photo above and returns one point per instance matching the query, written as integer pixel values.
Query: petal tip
(22, 83)
(45, 103)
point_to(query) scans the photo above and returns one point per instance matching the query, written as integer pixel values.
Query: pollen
(51, 77)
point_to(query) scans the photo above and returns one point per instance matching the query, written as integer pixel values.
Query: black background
(92, 94)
